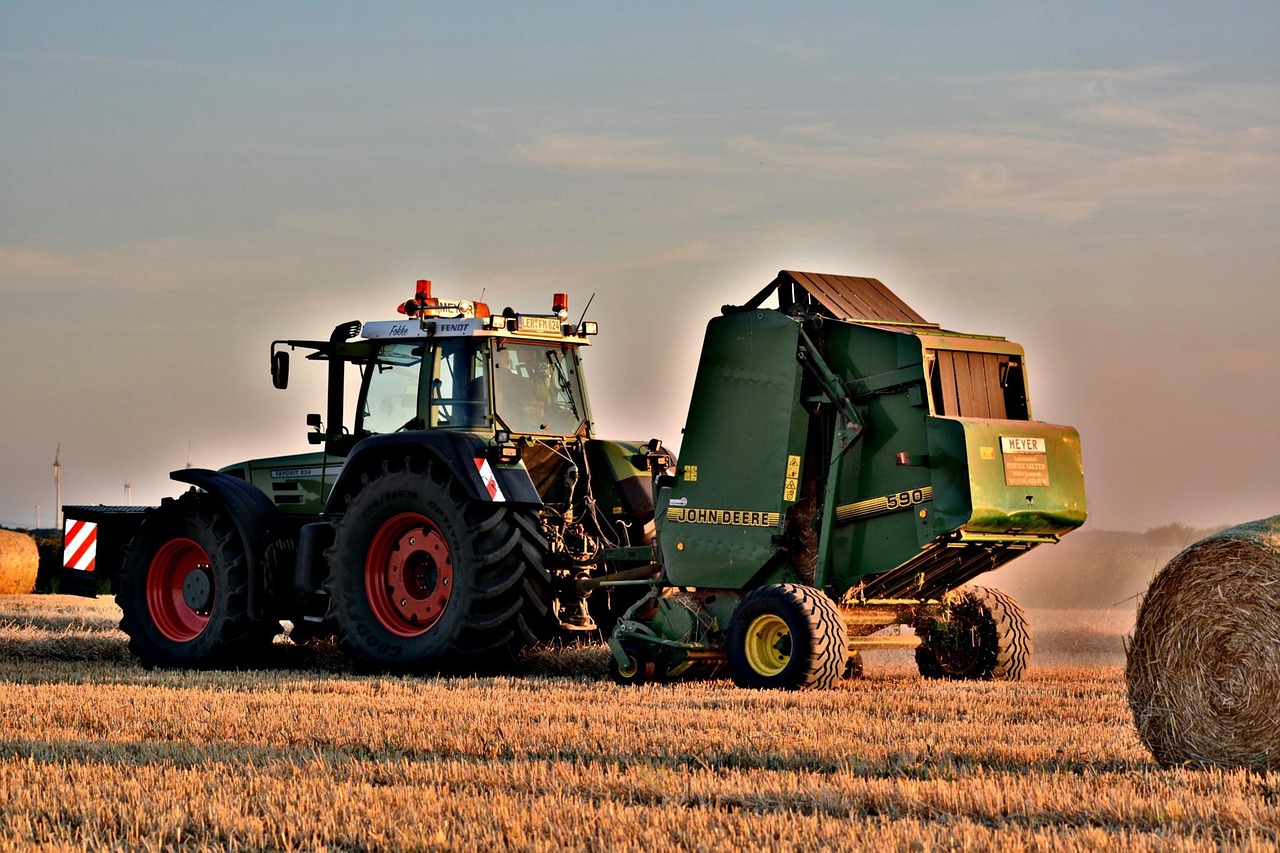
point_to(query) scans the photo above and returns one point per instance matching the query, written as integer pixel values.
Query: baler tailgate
(1005, 479)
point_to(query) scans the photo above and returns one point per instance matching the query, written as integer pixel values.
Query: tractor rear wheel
(786, 636)
(184, 588)
(987, 638)
(421, 575)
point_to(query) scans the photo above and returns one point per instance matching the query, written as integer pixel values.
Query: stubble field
(305, 754)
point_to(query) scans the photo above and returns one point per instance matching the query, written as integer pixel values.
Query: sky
(180, 184)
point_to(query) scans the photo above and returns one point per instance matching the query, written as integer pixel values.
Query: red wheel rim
(408, 574)
(177, 561)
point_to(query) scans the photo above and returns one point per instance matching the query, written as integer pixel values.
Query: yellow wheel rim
(630, 669)
(768, 645)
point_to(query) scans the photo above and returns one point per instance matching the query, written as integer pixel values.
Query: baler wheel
(987, 639)
(422, 576)
(640, 668)
(786, 636)
(184, 585)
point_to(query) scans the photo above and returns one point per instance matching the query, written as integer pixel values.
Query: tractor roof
(543, 328)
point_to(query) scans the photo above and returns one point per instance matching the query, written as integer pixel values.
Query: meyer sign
(1017, 444)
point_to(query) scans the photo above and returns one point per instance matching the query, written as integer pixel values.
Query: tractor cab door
(412, 385)
(459, 385)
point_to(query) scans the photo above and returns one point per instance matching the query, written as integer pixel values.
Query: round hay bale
(1203, 664)
(19, 562)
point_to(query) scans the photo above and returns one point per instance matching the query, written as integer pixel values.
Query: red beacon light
(560, 306)
(424, 305)
(421, 301)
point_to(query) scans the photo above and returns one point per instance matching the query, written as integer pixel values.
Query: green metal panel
(297, 484)
(623, 489)
(744, 442)
(985, 485)
(873, 528)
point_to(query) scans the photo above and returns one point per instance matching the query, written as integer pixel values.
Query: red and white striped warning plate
(489, 480)
(80, 550)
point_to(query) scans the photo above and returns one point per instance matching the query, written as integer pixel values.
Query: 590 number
(905, 499)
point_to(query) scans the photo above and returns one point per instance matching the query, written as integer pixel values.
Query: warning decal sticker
(792, 481)
(489, 480)
(81, 549)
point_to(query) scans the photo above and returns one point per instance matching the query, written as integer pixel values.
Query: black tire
(422, 576)
(853, 666)
(184, 589)
(640, 669)
(986, 639)
(786, 636)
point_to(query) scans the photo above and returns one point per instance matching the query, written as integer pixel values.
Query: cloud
(793, 48)
(148, 266)
(1038, 176)
(815, 148)
(106, 61)
(18, 264)
(1139, 73)
(1063, 147)
(613, 154)
(165, 265)
(1059, 146)
(681, 255)
(102, 59)
(1124, 116)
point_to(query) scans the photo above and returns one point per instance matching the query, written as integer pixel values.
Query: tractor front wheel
(421, 575)
(986, 638)
(786, 636)
(184, 588)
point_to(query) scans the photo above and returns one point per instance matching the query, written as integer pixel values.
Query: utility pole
(37, 516)
(57, 485)
(128, 495)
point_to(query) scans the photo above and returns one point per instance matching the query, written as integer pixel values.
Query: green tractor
(846, 466)
(443, 522)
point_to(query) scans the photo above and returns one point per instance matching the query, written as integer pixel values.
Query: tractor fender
(255, 517)
(462, 453)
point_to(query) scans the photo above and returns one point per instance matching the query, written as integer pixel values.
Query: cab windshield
(536, 389)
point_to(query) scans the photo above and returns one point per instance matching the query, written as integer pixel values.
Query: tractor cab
(449, 373)
(450, 365)
(472, 382)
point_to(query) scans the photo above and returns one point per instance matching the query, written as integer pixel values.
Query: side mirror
(314, 421)
(280, 369)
